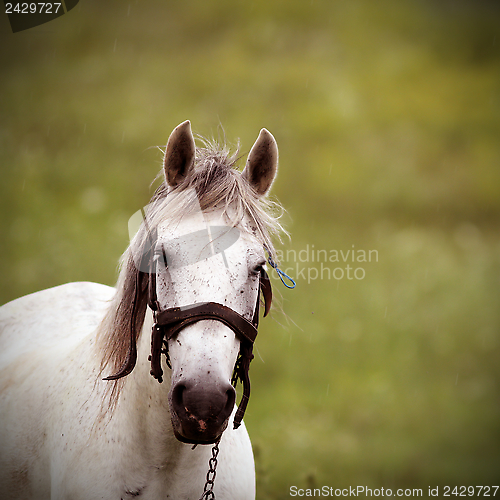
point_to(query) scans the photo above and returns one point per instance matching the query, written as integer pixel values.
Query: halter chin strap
(170, 321)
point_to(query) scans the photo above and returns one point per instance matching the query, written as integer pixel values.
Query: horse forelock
(214, 184)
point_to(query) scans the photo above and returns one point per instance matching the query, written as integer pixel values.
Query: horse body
(52, 443)
(64, 437)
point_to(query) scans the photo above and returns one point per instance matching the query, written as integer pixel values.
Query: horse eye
(161, 256)
(258, 268)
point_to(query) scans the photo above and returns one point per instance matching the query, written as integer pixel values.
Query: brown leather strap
(176, 318)
(171, 321)
(242, 368)
(267, 291)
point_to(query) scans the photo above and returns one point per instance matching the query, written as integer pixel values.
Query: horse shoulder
(45, 363)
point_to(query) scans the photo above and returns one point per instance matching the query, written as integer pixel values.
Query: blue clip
(281, 274)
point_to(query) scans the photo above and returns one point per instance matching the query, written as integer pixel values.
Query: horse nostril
(177, 398)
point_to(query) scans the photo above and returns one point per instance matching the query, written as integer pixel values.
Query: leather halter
(170, 321)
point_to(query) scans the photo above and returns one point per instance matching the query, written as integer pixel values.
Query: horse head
(202, 251)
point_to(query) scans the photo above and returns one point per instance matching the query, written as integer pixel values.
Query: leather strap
(176, 318)
(267, 291)
(170, 321)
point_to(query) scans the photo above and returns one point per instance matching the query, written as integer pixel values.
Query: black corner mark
(28, 14)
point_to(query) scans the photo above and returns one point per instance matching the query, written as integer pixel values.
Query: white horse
(67, 434)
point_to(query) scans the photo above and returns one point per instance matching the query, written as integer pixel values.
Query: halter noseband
(170, 321)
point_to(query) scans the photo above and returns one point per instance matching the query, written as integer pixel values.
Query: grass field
(387, 115)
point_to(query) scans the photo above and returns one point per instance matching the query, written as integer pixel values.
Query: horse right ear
(179, 154)
(262, 164)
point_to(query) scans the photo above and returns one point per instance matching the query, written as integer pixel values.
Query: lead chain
(208, 493)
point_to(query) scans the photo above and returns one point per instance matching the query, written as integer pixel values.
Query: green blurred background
(387, 115)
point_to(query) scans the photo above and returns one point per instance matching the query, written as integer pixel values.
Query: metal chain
(208, 493)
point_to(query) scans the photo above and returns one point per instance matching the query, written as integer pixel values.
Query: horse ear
(262, 164)
(179, 154)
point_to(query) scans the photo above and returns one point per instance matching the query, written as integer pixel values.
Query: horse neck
(141, 418)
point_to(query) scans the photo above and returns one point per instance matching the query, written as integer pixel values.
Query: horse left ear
(179, 154)
(262, 164)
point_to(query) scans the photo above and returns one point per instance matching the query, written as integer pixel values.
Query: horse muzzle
(199, 412)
